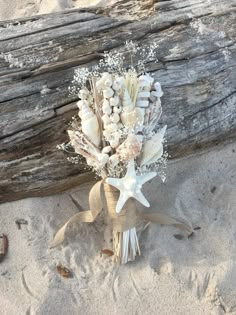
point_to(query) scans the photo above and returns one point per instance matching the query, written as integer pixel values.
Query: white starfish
(130, 186)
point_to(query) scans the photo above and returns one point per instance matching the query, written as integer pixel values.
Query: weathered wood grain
(38, 56)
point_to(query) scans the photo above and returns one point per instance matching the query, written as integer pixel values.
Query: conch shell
(90, 125)
(153, 148)
(130, 148)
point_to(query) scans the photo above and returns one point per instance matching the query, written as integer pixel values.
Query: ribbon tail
(161, 218)
(88, 216)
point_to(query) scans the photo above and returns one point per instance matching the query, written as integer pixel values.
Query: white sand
(189, 276)
(12, 9)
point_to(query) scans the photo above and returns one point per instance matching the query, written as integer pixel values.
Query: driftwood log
(38, 56)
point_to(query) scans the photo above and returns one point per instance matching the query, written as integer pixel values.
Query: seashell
(103, 158)
(106, 76)
(108, 83)
(85, 112)
(144, 94)
(153, 148)
(114, 101)
(117, 83)
(129, 119)
(106, 133)
(90, 127)
(112, 127)
(142, 103)
(130, 148)
(104, 81)
(108, 92)
(3, 246)
(83, 93)
(114, 142)
(114, 160)
(116, 110)
(80, 104)
(115, 118)
(158, 89)
(120, 125)
(106, 119)
(145, 82)
(106, 110)
(105, 103)
(106, 149)
(140, 113)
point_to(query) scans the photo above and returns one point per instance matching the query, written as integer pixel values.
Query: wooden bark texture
(38, 57)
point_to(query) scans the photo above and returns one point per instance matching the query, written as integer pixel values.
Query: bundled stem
(125, 240)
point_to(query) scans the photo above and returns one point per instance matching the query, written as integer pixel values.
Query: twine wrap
(125, 241)
(127, 218)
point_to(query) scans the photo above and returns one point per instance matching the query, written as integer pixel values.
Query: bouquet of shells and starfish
(117, 132)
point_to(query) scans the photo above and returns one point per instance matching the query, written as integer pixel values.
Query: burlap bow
(122, 221)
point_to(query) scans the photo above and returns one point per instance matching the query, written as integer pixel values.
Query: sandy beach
(14, 9)
(172, 276)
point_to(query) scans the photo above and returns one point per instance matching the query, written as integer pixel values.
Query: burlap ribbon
(122, 221)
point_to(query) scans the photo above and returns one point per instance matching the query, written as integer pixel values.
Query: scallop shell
(130, 148)
(153, 148)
